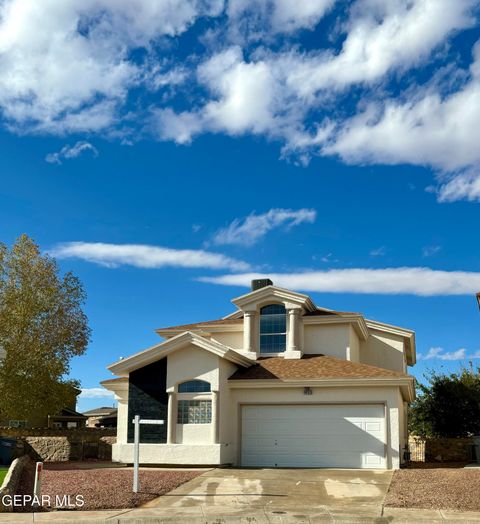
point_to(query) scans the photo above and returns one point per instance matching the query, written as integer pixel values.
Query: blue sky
(167, 154)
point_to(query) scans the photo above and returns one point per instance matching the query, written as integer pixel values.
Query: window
(194, 411)
(194, 386)
(71, 425)
(17, 423)
(273, 328)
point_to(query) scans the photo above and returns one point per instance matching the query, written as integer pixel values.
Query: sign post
(37, 487)
(136, 447)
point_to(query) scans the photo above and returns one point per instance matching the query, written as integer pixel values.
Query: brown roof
(311, 367)
(322, 312)
(196, 325)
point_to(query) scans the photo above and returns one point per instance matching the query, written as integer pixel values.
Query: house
(279, 382)
(104, 417)
(68, 418)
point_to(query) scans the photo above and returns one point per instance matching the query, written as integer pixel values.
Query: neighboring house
(104, 417)
(278, 383)
(68, 418)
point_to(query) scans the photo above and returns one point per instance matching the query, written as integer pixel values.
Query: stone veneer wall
(441, 449)
(59, 445)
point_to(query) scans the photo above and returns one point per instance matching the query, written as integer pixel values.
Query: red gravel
(440, 488)
(108, 488)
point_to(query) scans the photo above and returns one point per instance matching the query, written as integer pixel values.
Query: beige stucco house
(279, 382)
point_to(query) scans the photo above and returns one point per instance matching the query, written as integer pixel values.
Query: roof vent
(261, 282)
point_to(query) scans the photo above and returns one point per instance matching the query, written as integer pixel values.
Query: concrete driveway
(281, 495)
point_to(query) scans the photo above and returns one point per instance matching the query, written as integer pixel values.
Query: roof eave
(277, 292)
(151, 354)
(407, 384)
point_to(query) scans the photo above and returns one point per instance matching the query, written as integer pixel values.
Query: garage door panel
(348, 436)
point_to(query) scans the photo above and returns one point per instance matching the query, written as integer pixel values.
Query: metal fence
(417, 450)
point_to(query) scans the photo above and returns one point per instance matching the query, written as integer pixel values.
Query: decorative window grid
(194, 412)
(194, 386)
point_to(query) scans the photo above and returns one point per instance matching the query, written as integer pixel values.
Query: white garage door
(329, 436)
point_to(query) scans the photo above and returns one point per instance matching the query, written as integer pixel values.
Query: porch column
(172, 419)
(249, 331)
(293, 345)
(215, 409)
(293, 315)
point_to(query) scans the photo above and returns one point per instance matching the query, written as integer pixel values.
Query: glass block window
(194, 411)
(273, 328)
(194, 386)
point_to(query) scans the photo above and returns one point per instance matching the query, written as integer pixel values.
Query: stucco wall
(231, 339)
(383, 350)
(326, 339)
(189, 363)
(353, 345)
(209, 454)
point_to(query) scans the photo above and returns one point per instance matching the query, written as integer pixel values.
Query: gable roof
(311, 367)
(274, 292)
(203, 326)
(159, 351)
(104, 410)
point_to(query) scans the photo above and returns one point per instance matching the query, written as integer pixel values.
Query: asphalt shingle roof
(311, 367)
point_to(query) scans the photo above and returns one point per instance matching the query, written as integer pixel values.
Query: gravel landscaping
(435, 488)
(107, 488)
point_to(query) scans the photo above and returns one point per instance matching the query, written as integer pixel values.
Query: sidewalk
(255, 515)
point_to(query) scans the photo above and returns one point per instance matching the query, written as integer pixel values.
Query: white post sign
(136, 447)
(37, 487)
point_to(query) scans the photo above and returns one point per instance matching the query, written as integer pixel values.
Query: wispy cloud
(249, 230)
(419, 281)
(68, 152)
(378, 252)
(145, 256)
(429, 251)
(96, 393)
(440, 354)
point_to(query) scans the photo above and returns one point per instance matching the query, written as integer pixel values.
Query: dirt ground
(435, 486)
(103, 488)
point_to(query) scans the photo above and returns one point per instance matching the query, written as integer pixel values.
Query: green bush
(447, 406)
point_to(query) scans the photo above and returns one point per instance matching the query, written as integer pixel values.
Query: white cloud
(145, 256)
(419, 281)
(430, 129)
(381, 36)
(255, 19)
(441, 354)
(76, 67)
(61, 59)
(461, 186)
(247, 231)
(96, 393)
(68, 152)
(428, 251)
(378, 252)
(435, 131)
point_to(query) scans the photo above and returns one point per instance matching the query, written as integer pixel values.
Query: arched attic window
(194, 386)
(273, 328)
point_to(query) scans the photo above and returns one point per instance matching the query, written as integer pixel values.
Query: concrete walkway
(265, 496)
